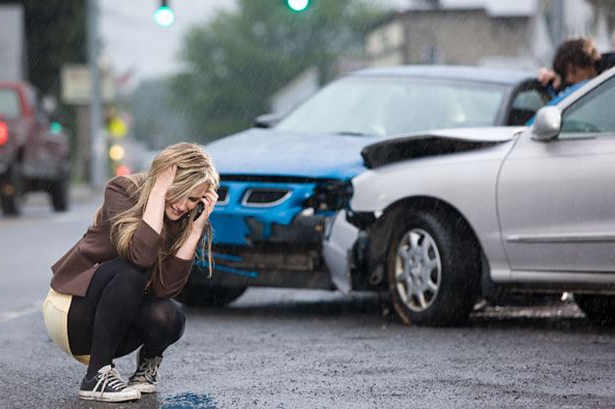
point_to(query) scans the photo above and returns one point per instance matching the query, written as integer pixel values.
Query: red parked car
(34, 152)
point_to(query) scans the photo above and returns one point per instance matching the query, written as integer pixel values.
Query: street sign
(76, 85)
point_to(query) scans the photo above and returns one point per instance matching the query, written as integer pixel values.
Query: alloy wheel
(418, 270)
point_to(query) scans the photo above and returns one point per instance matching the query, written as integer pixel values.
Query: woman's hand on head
(156, 202)
(165, 179)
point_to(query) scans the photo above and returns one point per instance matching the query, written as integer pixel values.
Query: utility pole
(97, 138)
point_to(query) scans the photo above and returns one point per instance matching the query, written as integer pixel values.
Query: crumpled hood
(269, 152)
(483, 134)
(433, 143)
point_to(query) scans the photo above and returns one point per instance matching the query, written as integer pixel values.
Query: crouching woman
(111, 292)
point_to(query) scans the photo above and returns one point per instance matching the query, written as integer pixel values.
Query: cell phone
(199, 210)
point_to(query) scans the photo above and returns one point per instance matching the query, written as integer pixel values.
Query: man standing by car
(576, 61)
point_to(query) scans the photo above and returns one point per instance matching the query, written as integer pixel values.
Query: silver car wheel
(418, 270)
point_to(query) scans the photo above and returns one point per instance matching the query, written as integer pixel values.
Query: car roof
(450, 72)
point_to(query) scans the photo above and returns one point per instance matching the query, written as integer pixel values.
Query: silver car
(532, 207)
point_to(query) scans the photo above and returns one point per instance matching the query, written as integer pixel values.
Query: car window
(525, 105)
(529, 99)
(593, 115)
(9, 103)
(368, 106)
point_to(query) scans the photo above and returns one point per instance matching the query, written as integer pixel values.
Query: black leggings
(115, 317)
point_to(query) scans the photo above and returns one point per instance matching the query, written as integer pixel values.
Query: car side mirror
(547, 124)
(267, 120)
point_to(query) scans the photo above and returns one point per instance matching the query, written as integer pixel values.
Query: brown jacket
(73, 272)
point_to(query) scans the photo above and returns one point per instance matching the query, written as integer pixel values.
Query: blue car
(283, 182)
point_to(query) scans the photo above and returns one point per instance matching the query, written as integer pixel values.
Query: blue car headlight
(330, 196)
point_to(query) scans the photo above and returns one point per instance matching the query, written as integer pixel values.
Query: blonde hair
(194, 167)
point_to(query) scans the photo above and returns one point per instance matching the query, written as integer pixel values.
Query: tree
(239, 60)
(154, 120)
(55, 33)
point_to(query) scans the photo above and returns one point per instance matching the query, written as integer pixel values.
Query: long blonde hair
(194, 167)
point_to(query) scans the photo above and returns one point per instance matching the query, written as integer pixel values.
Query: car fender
(464, 181)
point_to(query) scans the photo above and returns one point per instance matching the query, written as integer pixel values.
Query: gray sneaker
(144, 378)
(107, 386)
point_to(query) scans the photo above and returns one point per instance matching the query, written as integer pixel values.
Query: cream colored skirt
(55, 315)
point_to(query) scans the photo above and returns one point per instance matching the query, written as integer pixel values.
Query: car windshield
(386, 106)
(9, 103)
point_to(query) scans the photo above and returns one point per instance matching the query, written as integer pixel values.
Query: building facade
(521, 34)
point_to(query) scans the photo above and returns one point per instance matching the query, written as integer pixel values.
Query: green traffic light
(55, 128)
(164, 16)
(298, 5)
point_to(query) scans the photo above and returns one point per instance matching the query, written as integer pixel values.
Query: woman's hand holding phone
(199, 210)
(206, 206)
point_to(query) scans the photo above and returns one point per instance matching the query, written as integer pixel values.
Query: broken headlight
(330, 196)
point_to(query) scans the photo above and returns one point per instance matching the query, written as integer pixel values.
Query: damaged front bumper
(275, 262)
(271, 234)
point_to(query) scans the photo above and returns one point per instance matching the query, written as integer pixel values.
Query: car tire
(60, 195)
(433, 269)
(209, 296)
(599, 309)
(12, 192)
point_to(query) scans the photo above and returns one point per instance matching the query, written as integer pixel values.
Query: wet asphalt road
(305, 349)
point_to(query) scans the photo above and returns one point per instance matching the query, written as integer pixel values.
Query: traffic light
(164, 15)
(55, 127)
(298, 5)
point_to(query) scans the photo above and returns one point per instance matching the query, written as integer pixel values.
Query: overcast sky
(132, 42)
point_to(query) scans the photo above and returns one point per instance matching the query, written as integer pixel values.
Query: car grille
(265, 197)
(222, 195)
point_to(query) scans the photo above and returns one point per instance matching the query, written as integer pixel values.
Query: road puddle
(188, 400)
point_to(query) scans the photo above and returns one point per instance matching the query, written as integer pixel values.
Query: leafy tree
(235, 63)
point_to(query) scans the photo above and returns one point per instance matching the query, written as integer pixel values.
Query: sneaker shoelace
(111, 378)
(149, 369)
